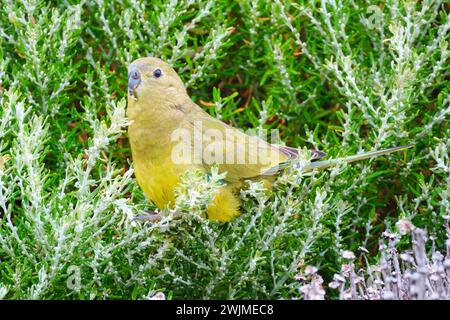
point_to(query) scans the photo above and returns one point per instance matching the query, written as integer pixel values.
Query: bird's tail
(324, 164)
(320, 165)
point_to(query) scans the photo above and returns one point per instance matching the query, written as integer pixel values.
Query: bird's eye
(157, 73)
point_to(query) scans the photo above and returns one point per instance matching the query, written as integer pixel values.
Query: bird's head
(151, 79)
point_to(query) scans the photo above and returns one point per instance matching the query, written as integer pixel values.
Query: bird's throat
(151, 126)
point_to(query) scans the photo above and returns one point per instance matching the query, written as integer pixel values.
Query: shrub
(341, 76)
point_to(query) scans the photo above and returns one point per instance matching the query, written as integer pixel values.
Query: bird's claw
(154, 216)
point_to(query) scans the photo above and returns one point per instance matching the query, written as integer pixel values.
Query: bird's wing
(242, 156)
(292, 153)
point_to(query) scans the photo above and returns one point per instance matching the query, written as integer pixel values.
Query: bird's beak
(134, 80)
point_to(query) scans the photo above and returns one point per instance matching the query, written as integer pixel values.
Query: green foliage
(341, 76)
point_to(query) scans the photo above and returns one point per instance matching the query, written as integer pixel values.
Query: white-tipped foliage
(341, 76)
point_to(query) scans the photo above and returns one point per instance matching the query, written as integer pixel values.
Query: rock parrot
(169, 134)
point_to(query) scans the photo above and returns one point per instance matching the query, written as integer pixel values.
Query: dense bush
(341, 76)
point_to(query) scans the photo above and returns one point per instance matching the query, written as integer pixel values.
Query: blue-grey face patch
(134, 79)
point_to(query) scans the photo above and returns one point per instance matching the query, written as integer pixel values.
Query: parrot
(170, 134)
